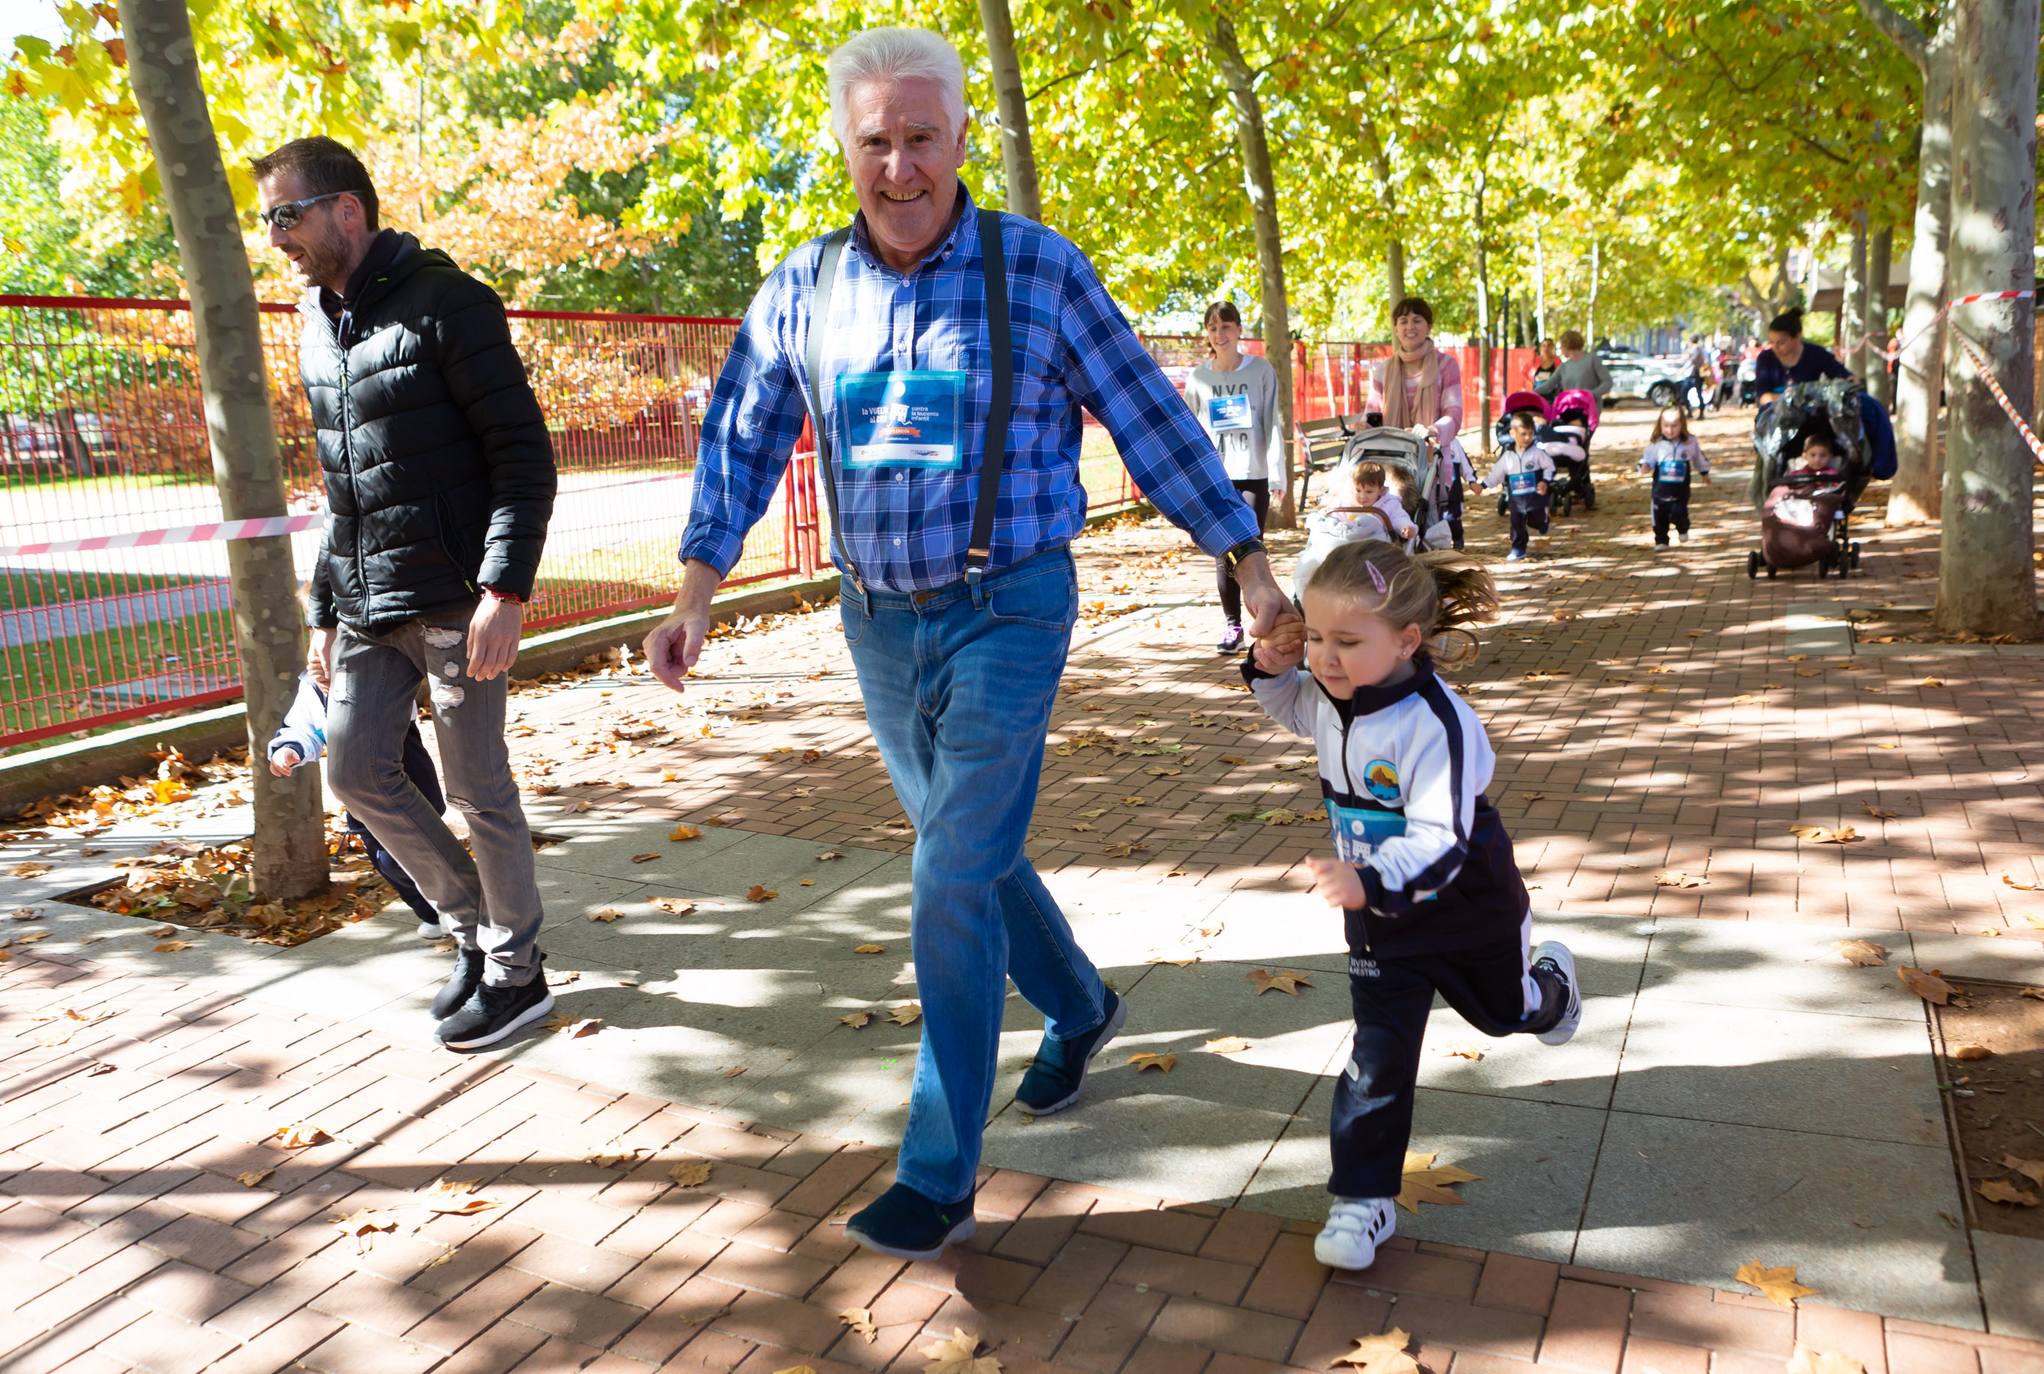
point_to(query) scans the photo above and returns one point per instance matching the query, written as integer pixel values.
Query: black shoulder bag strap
(993, 266)
(819, 316)
(1000, 402)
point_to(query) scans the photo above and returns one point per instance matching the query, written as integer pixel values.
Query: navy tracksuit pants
(1492, 987)
(1671, 507)
(1529, 513)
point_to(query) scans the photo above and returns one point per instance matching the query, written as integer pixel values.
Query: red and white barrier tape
(262, 528)
(2001, 397)
(1954, 304)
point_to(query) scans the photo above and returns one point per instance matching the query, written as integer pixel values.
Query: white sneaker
(1562, 964)
(1354, 1230)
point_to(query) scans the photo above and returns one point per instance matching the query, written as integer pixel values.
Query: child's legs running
(1679, 510)
(1372, 1118)
(1660, 522)
(1518, 528)
(1498, 990)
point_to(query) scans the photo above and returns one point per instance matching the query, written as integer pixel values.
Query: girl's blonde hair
(1443, 592)
(1681, 416)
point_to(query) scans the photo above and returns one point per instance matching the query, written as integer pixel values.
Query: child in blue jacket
(302, 737)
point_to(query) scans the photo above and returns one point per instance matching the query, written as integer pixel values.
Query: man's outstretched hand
(677, 642)
(1274, 622)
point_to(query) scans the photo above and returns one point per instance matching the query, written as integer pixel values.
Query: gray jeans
(489, 902)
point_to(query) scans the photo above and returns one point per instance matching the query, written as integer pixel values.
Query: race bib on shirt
(1672, 470)
(902, 419)
(1227, 412)
(1523, 482)
(1358, 830)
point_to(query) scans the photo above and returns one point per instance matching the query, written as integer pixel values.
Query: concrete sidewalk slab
(1869, 1224)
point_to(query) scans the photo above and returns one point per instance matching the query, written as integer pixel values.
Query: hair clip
(1377, 578)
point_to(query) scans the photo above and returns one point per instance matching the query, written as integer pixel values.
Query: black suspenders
(1000, 403)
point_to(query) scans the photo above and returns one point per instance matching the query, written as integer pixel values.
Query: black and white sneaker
(461, 984)
(1555, 957)
(1355, 1228)
(430, 930)
(495, 1013)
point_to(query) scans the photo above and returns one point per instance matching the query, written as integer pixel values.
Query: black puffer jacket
(439, 470)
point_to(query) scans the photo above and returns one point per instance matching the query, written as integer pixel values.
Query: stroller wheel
(1752, 565)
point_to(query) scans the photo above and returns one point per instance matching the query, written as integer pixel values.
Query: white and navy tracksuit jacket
(1403, 768)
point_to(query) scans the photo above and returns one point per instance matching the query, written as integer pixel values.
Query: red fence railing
(102, 432)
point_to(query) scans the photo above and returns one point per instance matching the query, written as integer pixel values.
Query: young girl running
(1671, 457)
(1233, 395)
(1422, 869)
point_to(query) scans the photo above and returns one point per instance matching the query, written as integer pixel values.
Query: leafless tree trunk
(1270, 250)
(1590, 313)
(1914, 496)
(290, 840)
(1018, 157)
(1986, 580)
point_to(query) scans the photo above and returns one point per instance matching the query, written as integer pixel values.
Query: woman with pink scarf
(1420, 388)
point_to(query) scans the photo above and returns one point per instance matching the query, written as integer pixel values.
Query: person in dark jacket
(439, 484)
(1788, 359)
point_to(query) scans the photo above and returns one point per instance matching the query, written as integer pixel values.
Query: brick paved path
(128, 1239)
(1651, 711)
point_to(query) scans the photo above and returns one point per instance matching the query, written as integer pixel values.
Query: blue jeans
(959, 686)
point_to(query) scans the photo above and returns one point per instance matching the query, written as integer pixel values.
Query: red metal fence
(102, 432)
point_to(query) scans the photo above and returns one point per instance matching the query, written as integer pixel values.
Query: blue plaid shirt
(908, 529)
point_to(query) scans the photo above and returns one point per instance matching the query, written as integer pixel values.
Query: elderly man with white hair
(944, 353)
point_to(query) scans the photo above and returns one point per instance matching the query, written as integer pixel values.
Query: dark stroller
(1806, 514)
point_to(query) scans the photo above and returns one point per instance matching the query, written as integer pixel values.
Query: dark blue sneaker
(1059, 1069)
(903, 1223)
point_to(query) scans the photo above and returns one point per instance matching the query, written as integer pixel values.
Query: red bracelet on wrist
(511, 597)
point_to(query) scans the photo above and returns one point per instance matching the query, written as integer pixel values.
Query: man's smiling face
(905, 146)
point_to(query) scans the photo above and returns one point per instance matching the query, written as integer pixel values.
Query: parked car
(1638, 377)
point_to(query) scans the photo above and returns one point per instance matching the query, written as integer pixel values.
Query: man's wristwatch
(1233, 557)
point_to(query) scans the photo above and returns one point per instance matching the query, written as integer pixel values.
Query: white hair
(892, 54)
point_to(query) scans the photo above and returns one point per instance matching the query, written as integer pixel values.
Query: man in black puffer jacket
(439, 483)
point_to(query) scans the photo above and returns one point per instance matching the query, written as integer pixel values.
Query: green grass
(21, 589)
(68, 669)
(43, 482)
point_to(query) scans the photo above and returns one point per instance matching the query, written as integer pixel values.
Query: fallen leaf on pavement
(2019, 884)
(1227, 1044)
(1817, 834)
(2032, 1169)
(797, 1369)
(691, 1175)
(684, 832)
(1862, 953)
(1288, 982)
(172, 946)
(957, 1355)
(1967, 1054)
(860, 1320)
(1928, 986)
(1680, 880)
(869, 949)
(760, 893)
(29, 870)
(1383, 1354)
(857, 1020)
(22, 913)
(2002, 1191)
(1162, 1063)
(907, 1014)
(1808, 1361)
(457, 1197)
(1879, 813)
(618, 1159)
(1776, 1283)
(1424, 1181)
(675, 906)
(249, 1178)
(734, 1071)
(362, 1224)
(644, 858)
(1463, 1052)
(299, 1136)
(563, 1024)
(606, 915)
(828, 856)
(162, 930)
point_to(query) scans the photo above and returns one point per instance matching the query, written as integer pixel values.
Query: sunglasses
(287, 215)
